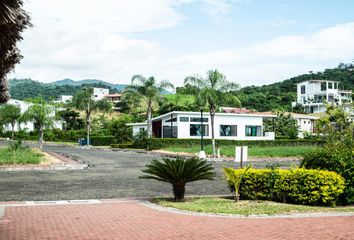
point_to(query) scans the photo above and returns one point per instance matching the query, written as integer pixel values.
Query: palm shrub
(235, 179)
(179, 172)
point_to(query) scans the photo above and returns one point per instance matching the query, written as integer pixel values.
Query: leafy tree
(149, 93)
(284, 125)
(72, 119)
(10, 114)
(119, 129)
(213, 91)
(43, 116)
(179, 172)
(13, 21)
(83, 100)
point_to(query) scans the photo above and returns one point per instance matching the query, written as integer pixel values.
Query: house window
(253, 131)
(304, 122)
(193, 119)
(171, 120)
(228, 130)
(196, 130)
(303, 89)
(323, 86)
(335, 85)
(184, 119)
(330, 85)
(141, 129)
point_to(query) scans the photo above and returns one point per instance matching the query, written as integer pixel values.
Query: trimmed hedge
(159, 143)
(102, 140)
(122, 145)
(300, 186)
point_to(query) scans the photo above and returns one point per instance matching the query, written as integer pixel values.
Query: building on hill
(100, 93)
(64, 98)
(27, 126)
(313, 95)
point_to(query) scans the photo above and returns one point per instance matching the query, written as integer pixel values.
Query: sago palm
(148, 91)
(213, 91)
(179, 172)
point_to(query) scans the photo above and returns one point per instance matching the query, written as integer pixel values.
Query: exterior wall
(99, 93)
(137, 128)
(305, 125)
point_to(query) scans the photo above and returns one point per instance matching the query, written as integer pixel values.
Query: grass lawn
(245, 208)
(229, 151)
(18, 157)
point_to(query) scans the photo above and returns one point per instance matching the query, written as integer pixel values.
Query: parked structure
(313, 95)
(227, 126)
(28, 126)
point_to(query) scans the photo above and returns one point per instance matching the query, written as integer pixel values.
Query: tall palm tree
(10, 114)
(149, 92)
(13, 21)
(213, 91)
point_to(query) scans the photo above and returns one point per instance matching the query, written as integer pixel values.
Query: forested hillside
(261, 98)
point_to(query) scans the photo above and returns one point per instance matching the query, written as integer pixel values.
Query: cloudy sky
(252, 42)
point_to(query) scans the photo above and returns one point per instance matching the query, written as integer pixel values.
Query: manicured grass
(20, 156)
(245, 208)
(229, 151)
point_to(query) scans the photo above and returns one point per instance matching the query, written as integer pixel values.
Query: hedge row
(160, 143)
(300, 186)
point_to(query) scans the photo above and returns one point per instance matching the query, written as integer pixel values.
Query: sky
(252, 42)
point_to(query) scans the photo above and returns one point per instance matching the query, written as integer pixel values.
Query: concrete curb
(265, 216)
(2, 212)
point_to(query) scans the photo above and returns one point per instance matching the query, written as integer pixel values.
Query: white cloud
(277, 22)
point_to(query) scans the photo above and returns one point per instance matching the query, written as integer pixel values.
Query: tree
(213, 91)
(284, 125)
(84, 101)
(10, 114)
(179, 172)
(42, 114)
(72, 119)
(149, 93)
(13, 21)
(119, 129)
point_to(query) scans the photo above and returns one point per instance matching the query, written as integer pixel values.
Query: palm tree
(13, 21)
(149, 93)
(10, 114)
(84, 101)
(42, 114)
(179, 172)
(213, 91)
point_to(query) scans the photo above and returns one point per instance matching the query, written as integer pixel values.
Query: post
(201, 154)
(171, 126)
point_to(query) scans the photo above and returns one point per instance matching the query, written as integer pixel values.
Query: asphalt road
(113, 174)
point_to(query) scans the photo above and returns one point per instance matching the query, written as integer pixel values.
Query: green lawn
(20, 156)
(229, 151)
(245, 208)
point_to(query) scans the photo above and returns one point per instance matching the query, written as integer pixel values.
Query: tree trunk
(88, 129)
(13, 130)
(212, 115)
(149, 129)
(178, 191)
(41, 133)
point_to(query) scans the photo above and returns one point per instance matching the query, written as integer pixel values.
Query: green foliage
(160, 143)
(300, 186)
(123, 145)
(179, 172)
(102, 140)
(119, 129)
(284, 125)
(141, 139)
(17, 145)
(10, 156)
(235, 179)
(72, 119)
(10, 114)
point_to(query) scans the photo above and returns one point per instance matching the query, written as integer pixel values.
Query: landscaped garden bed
(245, 207)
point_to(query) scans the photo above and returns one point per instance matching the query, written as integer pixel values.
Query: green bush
(300, 186)
(122, 145)
(337, 157)
(159, 143)
(102, 140)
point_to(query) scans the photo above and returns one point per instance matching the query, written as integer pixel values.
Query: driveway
(132, 220)
(113, 174)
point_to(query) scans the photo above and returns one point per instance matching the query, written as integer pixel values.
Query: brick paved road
(129, 220)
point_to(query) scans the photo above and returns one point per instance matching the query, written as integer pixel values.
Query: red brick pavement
(131, 220)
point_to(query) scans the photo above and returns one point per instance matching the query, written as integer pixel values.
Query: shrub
(337, 157)
(122, 145)
(102, 140)
(301, 186)
(179, 172)
(159, 143)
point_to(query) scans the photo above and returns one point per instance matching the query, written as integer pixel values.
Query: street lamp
(201, 154)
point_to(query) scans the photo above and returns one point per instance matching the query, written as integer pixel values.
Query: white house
(306, 123)
(315, 94)
(227, 126)
(64, 98)
(99, 93)
(28, 126)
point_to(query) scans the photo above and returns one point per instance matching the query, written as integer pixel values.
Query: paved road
(112, 175)
(129, 220)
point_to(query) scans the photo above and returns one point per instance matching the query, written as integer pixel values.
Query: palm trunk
(41, 133)
(178, 191)
(149, 129)
(212, 115)
(88, 129)
(13, 130)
